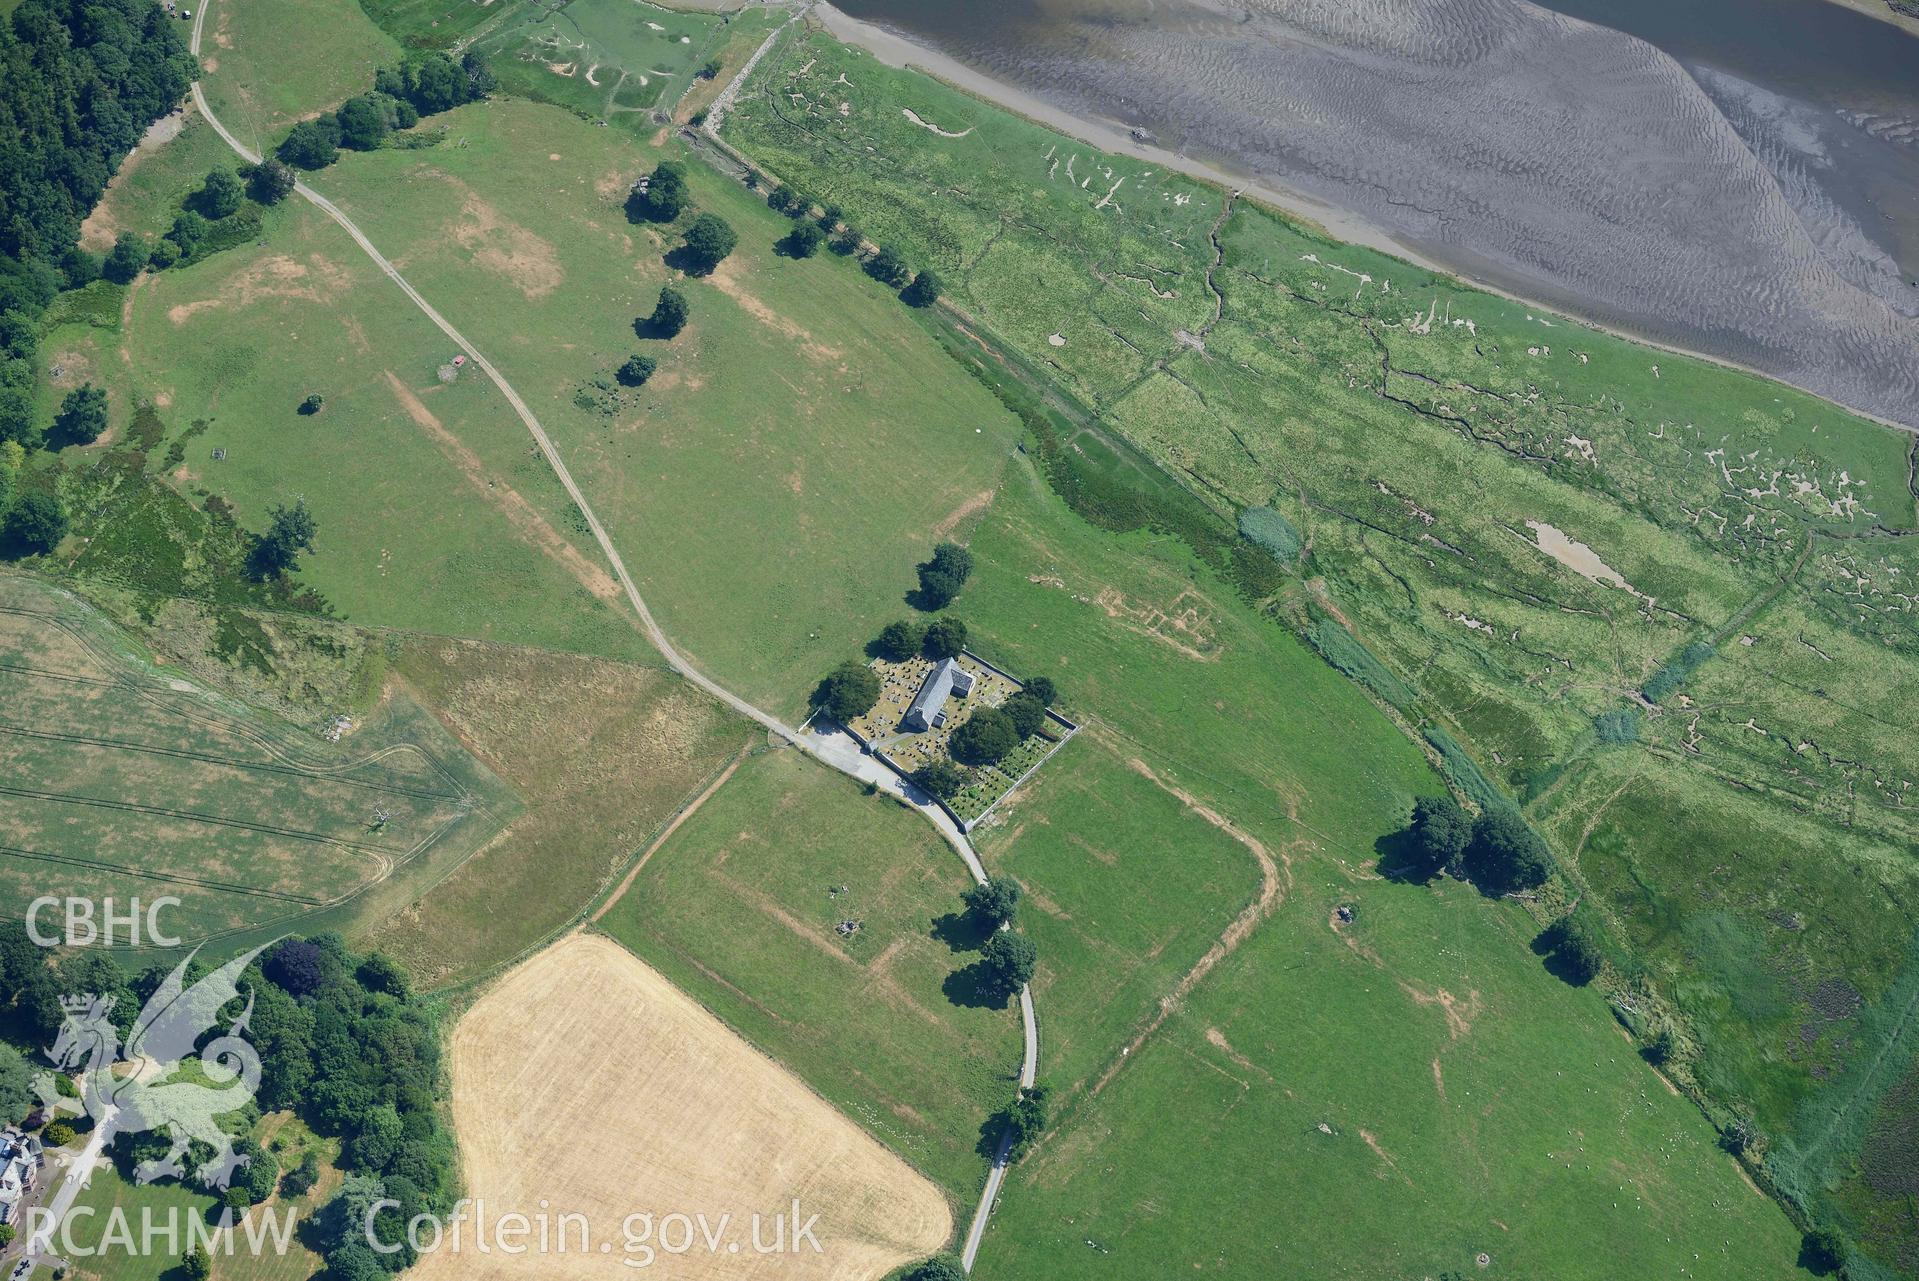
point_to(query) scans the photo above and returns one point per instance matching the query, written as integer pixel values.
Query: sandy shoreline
(897, 50)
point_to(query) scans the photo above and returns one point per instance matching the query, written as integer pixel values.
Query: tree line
(423, 85)
(706, 241)
(817, 225)
(80, 82)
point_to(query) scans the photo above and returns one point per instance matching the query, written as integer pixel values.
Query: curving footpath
(832, 748)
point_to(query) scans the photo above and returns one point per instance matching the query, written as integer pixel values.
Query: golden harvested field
(586, 1082)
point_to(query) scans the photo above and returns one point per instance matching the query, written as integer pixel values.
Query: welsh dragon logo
(149, 1084)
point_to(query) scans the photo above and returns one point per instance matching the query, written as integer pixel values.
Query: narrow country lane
(834, 748)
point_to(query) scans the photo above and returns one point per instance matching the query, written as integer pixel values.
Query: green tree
(708, 241)
(434, 82)
(900, 640)
(1823, 1251)
(940, 778)
(189, 231)
(220, 194)
(197, 1264)
(1042, 688)
(996, 901)
(711, 70)
(364, 123)
(270, 181)
(282, 1031)
(924, 291)
(669, 313)
(313, 404)
(636, 370)
(480, 80)
(83, 80)
(380, 1134)
(829, 220)
(16, 419)
(1441, 831)
(1506, 855)
(945, 638)
(1577, 949)
(290, 532)
(845, 242)
(1008, 961)
(1026, 712)
(942, 575)
(1026, 1120)
(127, 259)
(381, 973)
(13, 460)
(888, 268)
(309, 146)
(79, 267)
(984, 738)
(36, 524)
(848, 692)
(663, 197)
(16, 1086)
(803, 241)
(58, 1134)
(941, 1267)
(299, 1181)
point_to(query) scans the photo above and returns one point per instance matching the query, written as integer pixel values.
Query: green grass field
(1126, 889)
(1212, 1114)
(112, 1201)
(739, 908)
(1388, 1098)
(773, 485)
(434, 511)
(599, 58)
(1440, 451)
(267, 66)
(126, 781)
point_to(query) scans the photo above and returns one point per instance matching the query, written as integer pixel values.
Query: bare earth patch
(101, 228)
(727, 277)
(318, 279)
(971, 507)
(505, 248)
(586, 1082)
(532, 526)
(1275, 875)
